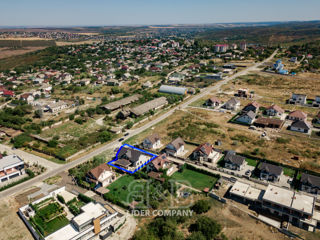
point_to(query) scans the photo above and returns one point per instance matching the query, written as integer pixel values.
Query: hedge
(84, 198)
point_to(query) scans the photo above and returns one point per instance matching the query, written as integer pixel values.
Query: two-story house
(176, 147)
(213, 102)
(254, 107)
(101, 175)
(205, 153)
(310, 183)
(246, 117)
(10, 167)
(297, 115)
(270, 172)
(130, 158)
(152, 142)
(274, 111)
(232, 104)
(298, 99)
(234, 161)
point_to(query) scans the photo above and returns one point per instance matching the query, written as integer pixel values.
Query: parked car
(126, 134)
(247, 173)
(232, 179)
(121, 139)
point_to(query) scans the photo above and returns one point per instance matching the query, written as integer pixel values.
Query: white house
(247, 117)
(10, 167)
(152, 142)
(176, 147)
(298, 99)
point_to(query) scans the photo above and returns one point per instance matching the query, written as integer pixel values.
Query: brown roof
(214, 99)
(159, 161)
(156, 175)
(255, 104)
(177, 143)
(298, 114)
(276, 108)
(206, 148)
(268, 121)
(154, 138)
(96, 172)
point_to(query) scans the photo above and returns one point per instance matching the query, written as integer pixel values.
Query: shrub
(61, 199)
(201, 206)
(84, 198)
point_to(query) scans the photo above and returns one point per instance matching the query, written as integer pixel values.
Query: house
(254, 107)
(269, 122)
(176, 78)
(152, 142)
(101, 175)
(310, 183)
(246, 117)
(234, 161)
(28, 97)
(205, 153)
(160, 162)
(316, 102)
(270, 172)
(130, 158)
(317, 119)
(121, 103)
(10, 167)
(8, 93)
(298, 99)
(274, 110)
(212, 102)
(57, 106)
(232, 104)
(242, 92)
(300, 126)
(176, 147)
(297, 115)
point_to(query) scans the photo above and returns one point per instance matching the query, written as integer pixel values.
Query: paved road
(133, 132)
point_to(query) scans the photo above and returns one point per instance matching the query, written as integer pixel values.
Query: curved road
(116, 143)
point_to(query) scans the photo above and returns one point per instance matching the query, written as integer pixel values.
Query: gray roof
(233, 158)
(130, 154)
(146, 107)
(271, 169)
(153, 138)
(310, 179)
(122, 102)
(9, 161)
(173, 90)
(300, 124)
(232, 102)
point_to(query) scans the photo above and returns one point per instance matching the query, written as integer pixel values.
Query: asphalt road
(115, 144)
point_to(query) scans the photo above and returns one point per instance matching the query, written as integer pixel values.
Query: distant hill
(271, 34)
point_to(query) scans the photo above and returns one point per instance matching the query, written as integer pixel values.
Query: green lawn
(196, 179)
(124, 187)
(53, 225)
(251, 162)
(288, 172)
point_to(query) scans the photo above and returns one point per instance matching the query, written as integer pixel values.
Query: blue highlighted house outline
(137, 169)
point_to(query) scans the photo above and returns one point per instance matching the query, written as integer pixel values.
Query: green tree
(201, 206)
(207, 226)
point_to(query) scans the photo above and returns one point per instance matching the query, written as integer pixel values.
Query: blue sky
(130, 12)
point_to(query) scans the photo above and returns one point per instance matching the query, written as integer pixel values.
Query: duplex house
(176, 147)
(152, 142)
(101, 175)
(205, 153)
(212, 102)
(254, 107)
(297, 115)
(300, 126)
(270, 172)
(298, 99)
(232, 104)
(275, 111)
(310, 183)
(129, 158)
(234, 161)
(246, 117)
(10, 167)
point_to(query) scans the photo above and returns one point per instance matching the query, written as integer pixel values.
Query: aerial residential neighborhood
(159, 120)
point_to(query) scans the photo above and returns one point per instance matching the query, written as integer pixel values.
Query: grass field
(288, 172)
(196, 179)
(125, 185)
(53, 225)
(251, 162)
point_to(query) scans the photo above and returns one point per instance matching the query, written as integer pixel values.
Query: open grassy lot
(251, 162)
(123, 186)
(196, 179)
